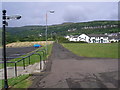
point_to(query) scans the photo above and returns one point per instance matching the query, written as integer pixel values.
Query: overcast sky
(33, 13)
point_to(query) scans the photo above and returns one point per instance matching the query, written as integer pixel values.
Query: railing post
(29, 60)
(43, 56)
(45, 53)
(23, 63)
(15, 69)
(40, 62)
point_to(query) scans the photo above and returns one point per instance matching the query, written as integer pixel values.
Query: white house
(73, 38)
(98, 38)
(67, 37)
(83, 37)
(114, 38)
(91, 38)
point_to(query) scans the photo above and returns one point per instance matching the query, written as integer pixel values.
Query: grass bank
(109, 50)
(18, 82)
(23, 81)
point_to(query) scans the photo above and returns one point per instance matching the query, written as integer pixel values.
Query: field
(34, 58)
(109, 50)
(28, 44)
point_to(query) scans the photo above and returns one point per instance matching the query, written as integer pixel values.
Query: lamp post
(4, 43)
(4, 49)
(51, 11)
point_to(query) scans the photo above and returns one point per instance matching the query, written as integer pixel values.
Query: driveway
(67, 70)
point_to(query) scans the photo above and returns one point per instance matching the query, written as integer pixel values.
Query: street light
(13, 17)
(51, 11)
(4, 43)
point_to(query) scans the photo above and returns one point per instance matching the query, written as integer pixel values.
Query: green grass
(18, 82)
(22, 81)
(109, 50)
(34, 58)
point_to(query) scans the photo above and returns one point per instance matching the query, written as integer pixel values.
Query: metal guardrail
(29, 62)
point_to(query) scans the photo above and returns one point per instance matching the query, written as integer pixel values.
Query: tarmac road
(67, 70)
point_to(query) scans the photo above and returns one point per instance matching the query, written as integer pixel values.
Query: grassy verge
(18, 82)
(23, 81)
(109, 50)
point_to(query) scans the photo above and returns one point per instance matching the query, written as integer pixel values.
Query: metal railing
(29, 59)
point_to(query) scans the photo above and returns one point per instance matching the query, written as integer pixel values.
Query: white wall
(113, 40)
(99, 40)
(83, 37)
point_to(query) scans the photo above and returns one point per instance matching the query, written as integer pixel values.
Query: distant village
(95, 38)
(94, 27)
(102, 26)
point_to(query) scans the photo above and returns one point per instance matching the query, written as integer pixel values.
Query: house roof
(75, 36)
(114, 37)
(97, 35)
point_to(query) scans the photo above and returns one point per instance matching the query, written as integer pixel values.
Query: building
(73, 38)
(90, 38)
(114, 38)
(98, 38)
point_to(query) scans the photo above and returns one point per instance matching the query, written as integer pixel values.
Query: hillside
(32, 33)
(0, 37)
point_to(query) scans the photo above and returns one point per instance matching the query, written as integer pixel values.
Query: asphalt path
(67, 70)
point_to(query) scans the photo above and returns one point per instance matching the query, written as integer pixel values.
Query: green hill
(31, 33)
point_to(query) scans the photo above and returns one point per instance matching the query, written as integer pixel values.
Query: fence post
(44, 56)
(15, 69)
(23, 63)
(29, 60)
(44, 51)
(40, 62)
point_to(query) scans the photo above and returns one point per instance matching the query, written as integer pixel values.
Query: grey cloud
(34, 13)
(75, 14)
(91, 11)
